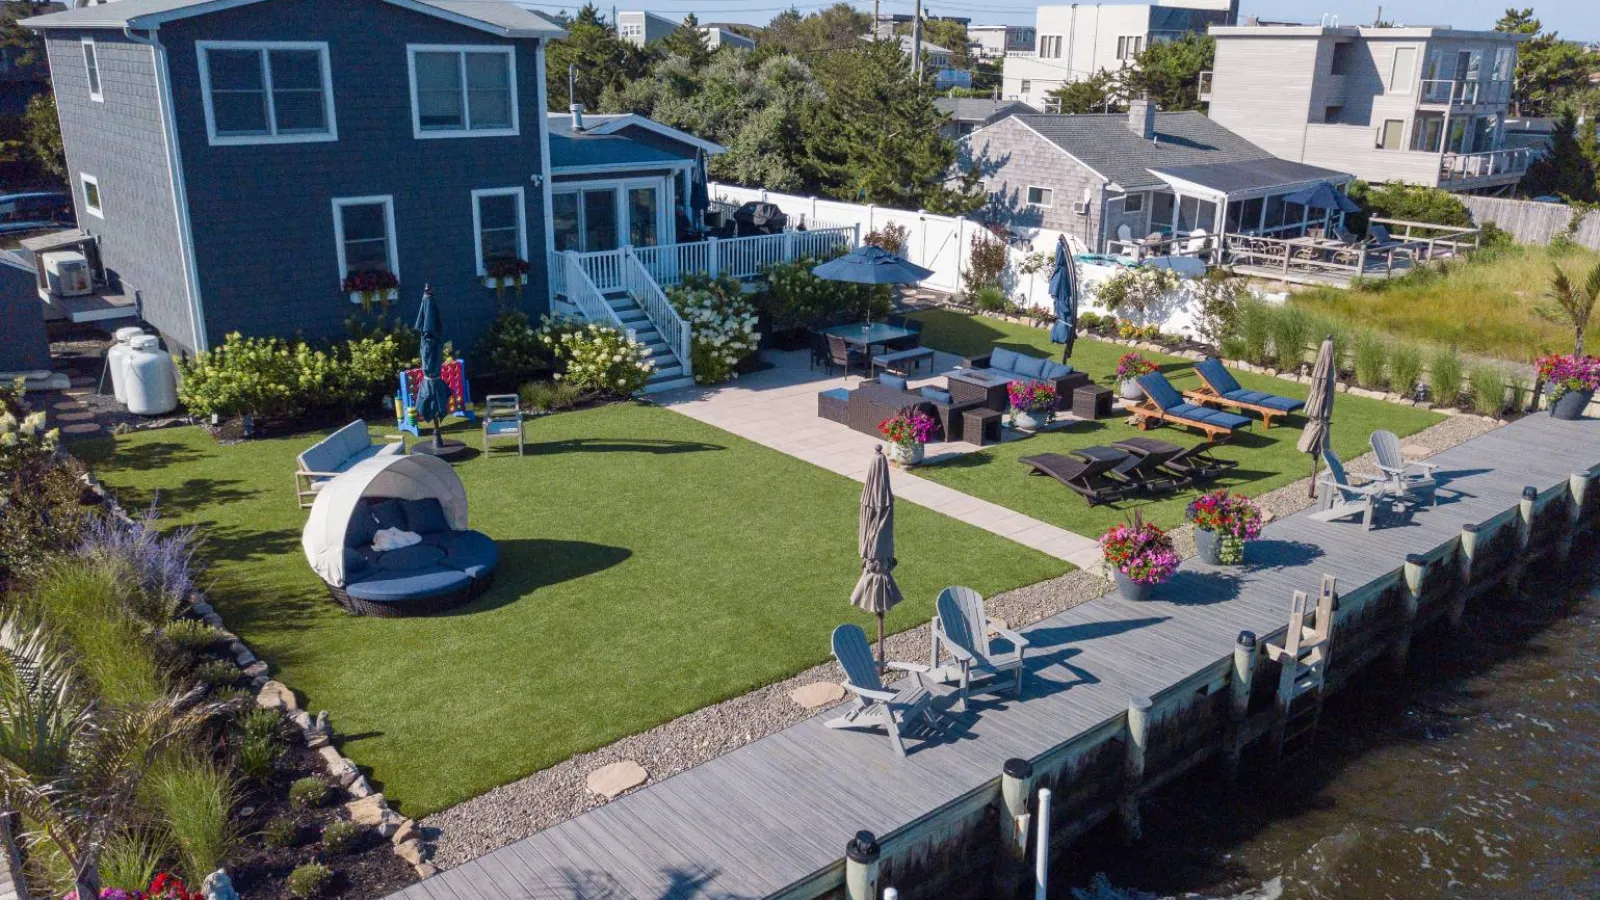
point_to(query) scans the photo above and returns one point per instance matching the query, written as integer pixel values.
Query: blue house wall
(262, 214)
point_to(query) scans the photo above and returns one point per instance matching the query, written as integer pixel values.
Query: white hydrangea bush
(598, 357)
(723, 322)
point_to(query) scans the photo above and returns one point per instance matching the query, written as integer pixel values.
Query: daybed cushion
(390, 514)
(410, 559)
(386, 586)
(1029, 366)
(424, 516)
(1001, 358)
(470, 551)
(937, 396)
(363, 526)
(355, 562)
(892, 381)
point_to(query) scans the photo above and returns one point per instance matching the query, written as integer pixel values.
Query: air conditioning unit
(67, 274)
(1081, 207)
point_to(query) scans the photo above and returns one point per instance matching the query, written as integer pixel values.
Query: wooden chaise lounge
(1090, 477)
(1218, 386)
(1163, 403)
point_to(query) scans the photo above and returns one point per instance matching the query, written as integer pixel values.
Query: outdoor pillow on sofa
(1029, 366)
(892, 381)
(1003, 359)
(424, 516)
(391, 586)
(1054, 370)
(936, 395)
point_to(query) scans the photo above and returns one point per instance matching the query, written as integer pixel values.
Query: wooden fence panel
(1530, 222)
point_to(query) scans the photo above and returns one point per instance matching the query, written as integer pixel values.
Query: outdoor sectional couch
(875, 401)
(1016, 366)
(447, 569)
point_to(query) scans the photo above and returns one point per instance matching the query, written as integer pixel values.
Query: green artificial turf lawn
(650, 565)
(1268, 459)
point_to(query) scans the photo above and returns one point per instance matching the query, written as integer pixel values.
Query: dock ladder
(1304, 658)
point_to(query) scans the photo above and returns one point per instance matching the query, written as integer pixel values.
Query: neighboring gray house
(641, 28)
(995, 41)
(1110, 180)
(718, 36)
(970, 113)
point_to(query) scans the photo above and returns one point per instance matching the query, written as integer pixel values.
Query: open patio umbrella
(1319, 408)
(433, 397)
(871, 265)
(1323, 196)
(1063, 290)
(877, 592)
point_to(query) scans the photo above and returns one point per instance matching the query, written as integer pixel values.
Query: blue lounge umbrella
(1064, 290)
(433, 397)
(871, 265)
(1323, 196)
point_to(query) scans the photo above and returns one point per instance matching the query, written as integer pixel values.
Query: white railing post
(961, 243)
(1041, 855)
(855, 240)
(788, 244)
(713, 257)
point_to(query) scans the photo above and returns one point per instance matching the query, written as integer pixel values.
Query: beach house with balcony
(1420, 105)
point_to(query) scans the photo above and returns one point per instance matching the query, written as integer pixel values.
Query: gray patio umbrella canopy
(877, 592)
(1063, 290)
(1319, 408)
(433, 398)
(1323, 196)
(871, 265)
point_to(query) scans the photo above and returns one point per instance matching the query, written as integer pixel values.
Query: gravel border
(513, 811)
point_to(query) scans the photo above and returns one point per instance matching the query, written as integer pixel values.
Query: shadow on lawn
(527, 565)
(620, 445)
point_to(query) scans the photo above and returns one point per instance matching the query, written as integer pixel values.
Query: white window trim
(216, 140)
(1128, 197)
(99, 211)
(461, 50)
(1048, 192)
(664, 208)
(89, 47)
(477, 225)
(391, 245)
(1058, 46)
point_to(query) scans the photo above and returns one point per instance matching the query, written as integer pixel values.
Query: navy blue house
(233, 161)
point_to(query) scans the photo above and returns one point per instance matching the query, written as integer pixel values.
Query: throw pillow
(1003, 359)
(1054, 370)
(390, 514)
(936, 395)
(1029, 366)
(361, 528)
(424, 516)
(354, 563)
(892, 381)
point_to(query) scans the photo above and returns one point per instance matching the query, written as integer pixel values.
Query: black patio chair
(842, 354)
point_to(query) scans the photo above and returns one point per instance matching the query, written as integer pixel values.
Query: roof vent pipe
(574, 106)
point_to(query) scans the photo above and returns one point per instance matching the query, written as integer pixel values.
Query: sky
(1575, 19)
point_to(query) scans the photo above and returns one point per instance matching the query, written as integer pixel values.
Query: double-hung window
(267, 93)
(461, 91)
(1040, 196)
(363, 230)
(91, 69)
(499, 231)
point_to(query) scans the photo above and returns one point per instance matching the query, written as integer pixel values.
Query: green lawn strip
(1268, 459)
(651, 565)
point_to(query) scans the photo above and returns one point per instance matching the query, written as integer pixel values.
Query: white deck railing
(740, 257)
(582, 292)
(648, 294)
(1490, 163)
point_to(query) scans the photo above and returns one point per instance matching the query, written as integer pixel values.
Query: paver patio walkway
(777, 408)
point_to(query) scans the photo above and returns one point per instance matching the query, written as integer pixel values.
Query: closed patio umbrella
(871, 265)
(1323, 196)
(1063, 290)
(877, 592)
(433, 397)
(700, 191)
(1319, 408)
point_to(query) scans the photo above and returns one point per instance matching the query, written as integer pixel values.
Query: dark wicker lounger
(1147, 465)
(1091, 478)
(1198, 465)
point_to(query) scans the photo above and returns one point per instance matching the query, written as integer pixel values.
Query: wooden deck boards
(780, 809)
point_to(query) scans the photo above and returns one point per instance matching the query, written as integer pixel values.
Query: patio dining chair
(909, 342)
(842, 354)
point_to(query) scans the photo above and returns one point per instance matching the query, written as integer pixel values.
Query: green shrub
(510, 352)
(1444, 377)
(217, 673)
(42, 514)
(795, 298)
(1136, 292)
(259, 744)
(280, 832)
(341, 836)
(132, 859)
(990, 299)
(190, 635)
(1405, 368)
(1521, 390)
(309, 880)
(549, 396)
(1414, 203)
(273, 378)
(1343, 341)
(308, 792)
(599, 358)
(723, 323)
(1217, 311)
(1488, 389)
(1371, 361)
(986, 259)
(195, 800)
(1292, 329)
(1255, 331)
(1088, 321)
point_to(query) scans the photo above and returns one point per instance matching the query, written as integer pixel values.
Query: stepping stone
(1415, 451)
(81, 428)
(84, 416)
(68, 405)
(817, 695)
(609, 781)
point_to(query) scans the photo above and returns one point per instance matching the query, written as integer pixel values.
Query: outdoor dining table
(866, 334)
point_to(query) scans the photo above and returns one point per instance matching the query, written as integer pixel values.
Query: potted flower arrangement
(1223, 522)
(1033, 403)
(506, 271)
(1571, 382)
(1140, 556)
(905, 434)
(1129, 367)
(368, 286)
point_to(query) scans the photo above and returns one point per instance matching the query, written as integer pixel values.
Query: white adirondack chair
(962, 629)
(875, 705)
(1407, 477)
(1347, 499)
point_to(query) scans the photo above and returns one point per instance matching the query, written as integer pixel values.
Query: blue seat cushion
(837, 393)
(1217, 375)
(410, 559)
(502, 426)
(424, 516)
(390, 514)
(937, 396)
(473, 552)
(388, 586)
(1001, 358)
(1261, 398)
(892, 381)
(1029, 366)
(362, 527)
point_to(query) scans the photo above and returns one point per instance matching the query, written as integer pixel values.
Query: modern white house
(717, 36)
(643, 28)
(1420, 105)
(1074, 42)
(995, 41)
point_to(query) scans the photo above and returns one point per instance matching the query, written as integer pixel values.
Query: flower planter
(1130, 589)
(388, 296)
(1571, 405)
(1130, 389)
(904, 454)
(1208, 546)
(493, 283)
(1027, 421)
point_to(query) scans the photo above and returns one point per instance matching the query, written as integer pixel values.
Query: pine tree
(1569, 169)
(604, 62)
(1100, 92)
(1168, 72)
(687, 41)
(1549, 69)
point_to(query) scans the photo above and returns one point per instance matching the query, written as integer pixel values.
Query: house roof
(615, 123)
(1249, 175)
(493, 16)
(1107, 145)
(570, 151)
(980, 109)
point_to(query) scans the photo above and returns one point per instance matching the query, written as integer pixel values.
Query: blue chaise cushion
(424, 516)
(1216, 375)
(390, 514)
(1261, 398)
(1161, 390)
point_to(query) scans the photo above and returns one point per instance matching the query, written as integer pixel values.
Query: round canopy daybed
(421, 495)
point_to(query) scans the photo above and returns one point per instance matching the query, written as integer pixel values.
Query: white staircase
(669, 373)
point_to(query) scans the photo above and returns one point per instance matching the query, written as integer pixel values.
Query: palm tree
(69, 764)
(1574, 303)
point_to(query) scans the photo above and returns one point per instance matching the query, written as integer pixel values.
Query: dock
(773, 818)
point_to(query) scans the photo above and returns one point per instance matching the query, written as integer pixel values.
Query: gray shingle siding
(263, 215)
(1010, 158)
(121, 143)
